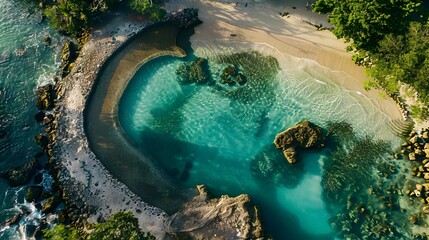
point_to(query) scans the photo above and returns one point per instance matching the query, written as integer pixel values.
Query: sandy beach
(262, 23)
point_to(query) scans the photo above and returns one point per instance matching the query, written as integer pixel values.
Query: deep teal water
(222, 137)
(25, 63)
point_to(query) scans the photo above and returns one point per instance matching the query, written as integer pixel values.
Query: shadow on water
(176, 157)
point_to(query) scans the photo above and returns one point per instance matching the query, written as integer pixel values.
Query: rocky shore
(90, 193)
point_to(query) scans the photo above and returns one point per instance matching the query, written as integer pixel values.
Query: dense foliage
(404, 58)
(121, 225)
(366, 22)
(73, 17)
(149, 7)
(390, 38)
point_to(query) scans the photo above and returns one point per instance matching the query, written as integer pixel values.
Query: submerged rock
(20, 175)
(33, 193)
(304, 135)
(194, 72)
(10, 221)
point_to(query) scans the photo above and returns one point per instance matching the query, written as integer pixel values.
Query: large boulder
(224, 217)
(68, 56)
(188, 18)
(303, 135)
(20, 175)
(51, 203)
(45, 97)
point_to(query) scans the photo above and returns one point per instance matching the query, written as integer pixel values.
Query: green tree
(68, 16)
(61, 232)
(404, 58)
(365, 22)
(148, 7)
(121, 225)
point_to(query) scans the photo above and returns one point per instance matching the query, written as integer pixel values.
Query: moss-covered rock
(42, 140)
(51, 203)
(194, 72)
(33, 193)
(45, 97)
(68, 56)
(304, 135)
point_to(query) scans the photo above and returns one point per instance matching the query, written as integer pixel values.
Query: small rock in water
(412, 156)
(425, 209)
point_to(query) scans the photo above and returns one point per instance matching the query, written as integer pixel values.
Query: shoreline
(80, 170)
(101, 114)
(292, 36)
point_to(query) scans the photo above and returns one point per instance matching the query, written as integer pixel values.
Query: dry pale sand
(262, 23)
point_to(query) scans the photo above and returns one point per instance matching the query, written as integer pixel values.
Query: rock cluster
(188, 18)
(45, 97)
(231, 75)
(303, 135)
(68, 56)
(195, 72)
(416, 149)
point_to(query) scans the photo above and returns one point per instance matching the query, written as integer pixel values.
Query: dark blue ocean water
(25, 63)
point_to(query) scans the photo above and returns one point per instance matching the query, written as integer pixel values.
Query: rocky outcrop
(187, 18)
(51, 203)
(33, 193)
(68, 56)
(20, 175)
(217, 218)
(194, 72)
(231, 76)
(45, 97)
(303, 135)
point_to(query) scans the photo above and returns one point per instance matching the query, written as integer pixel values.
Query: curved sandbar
(105, 135)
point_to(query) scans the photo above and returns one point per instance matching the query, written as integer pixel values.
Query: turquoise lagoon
(222, 136)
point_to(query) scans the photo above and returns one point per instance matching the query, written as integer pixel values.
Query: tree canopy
(73, 17)
(149, 7)
(389, 37)
(367, 21)
(121, 225)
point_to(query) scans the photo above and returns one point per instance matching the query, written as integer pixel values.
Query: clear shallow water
(25, 63)
(222, 136)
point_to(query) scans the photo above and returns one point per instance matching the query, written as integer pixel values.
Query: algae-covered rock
(231, 75)
(51, 203)
(45, 97)
(20, 175)
(194, 72)
(304, 135)
(42, 140)
(33, 193)
(68, 56)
